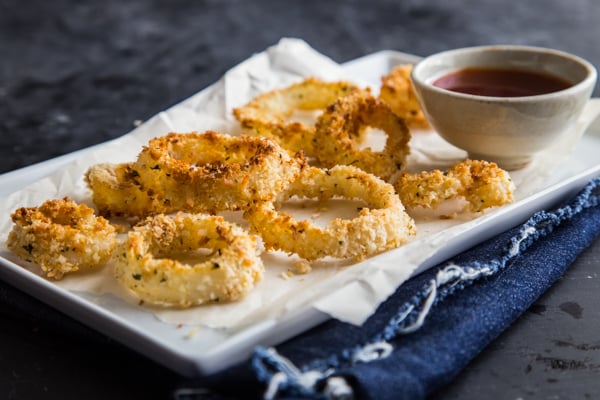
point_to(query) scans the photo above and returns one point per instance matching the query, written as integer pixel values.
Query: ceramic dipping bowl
(503, 103)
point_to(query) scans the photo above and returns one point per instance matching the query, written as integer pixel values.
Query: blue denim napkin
(427, 332)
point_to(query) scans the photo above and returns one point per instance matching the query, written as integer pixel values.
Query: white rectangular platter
(194, 351)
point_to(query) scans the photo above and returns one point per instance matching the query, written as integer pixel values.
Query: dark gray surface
(551, 352)
(73, 74)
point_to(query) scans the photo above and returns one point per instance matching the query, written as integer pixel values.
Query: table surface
(73, 74)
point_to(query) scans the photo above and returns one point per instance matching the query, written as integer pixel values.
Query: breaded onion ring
(211, 172)
(381, 225)
(61, 237)
(482, 184)
(343, 121)
(116, 193)
(268, 114)
(145, 266)
(398, 92)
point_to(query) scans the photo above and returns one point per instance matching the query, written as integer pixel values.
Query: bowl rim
(589, 80)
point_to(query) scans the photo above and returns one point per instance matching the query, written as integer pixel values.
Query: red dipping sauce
(501, 82)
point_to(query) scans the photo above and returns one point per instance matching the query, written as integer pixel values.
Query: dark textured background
(75, 73)
(78, 73)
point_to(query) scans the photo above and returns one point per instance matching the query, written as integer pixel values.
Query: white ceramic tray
(210, 350)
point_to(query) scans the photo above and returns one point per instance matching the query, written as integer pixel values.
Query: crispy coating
(381, 225)
(147, 264)
(194, 172)
(482, 184)
(398, 92)
(116, 193)
(61, 236)
(268, 114)
(341, 124)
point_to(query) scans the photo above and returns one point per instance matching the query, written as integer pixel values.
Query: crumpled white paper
(346, 291)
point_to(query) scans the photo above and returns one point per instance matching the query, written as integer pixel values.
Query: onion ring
(212, 172)
(230, 272)
(343, 121)
(380, 226)
(268, 114)
(398, 92)
(61, 236)
(482, 184)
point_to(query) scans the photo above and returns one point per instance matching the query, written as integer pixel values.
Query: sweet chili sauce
(497, 82)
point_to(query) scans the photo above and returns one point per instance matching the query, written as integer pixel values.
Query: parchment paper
(347, 291)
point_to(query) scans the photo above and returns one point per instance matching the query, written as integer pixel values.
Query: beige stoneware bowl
(507, 130)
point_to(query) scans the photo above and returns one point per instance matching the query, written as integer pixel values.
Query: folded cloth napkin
(423, 335)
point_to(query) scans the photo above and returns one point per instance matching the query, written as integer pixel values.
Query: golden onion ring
(381, 225)
(146, 264)
(398, 92)
(481, 183)
(211, 172)
(61, 236)
(342, 122)
(268, 114)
